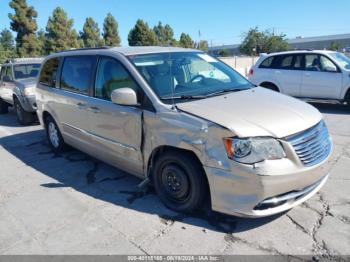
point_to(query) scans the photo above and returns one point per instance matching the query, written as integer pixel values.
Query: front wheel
(54, 135)
(179, 181)
(23, 117)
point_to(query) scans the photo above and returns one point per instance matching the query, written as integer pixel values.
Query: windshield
(187, 75)
(26, 71)
(342, 60)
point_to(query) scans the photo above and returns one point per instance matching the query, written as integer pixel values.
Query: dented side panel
(183, 131)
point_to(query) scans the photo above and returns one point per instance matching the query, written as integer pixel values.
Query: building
(317, 42)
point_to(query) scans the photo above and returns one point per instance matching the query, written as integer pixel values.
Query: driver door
(321, 78)
(116, 130)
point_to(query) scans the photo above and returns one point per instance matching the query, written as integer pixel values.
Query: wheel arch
(347, 95)
(270, 85)
(166, 148)
(45, 115)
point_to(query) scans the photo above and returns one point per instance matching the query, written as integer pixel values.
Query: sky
(219, 21)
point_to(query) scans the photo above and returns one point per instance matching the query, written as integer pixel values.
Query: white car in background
(318, 76)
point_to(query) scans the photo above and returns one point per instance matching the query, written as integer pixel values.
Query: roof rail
(24, 59)
(303, 49)
(85, 48)
(291, 50)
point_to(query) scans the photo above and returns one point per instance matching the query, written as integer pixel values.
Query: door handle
(94, 109)
(307, 74)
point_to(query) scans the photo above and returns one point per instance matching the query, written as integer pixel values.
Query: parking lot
(73, 204)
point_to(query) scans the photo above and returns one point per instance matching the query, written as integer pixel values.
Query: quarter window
(49, 72)
(112, 75)
(77, 72)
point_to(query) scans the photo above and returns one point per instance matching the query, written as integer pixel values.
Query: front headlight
(253, 150)
(29, 91)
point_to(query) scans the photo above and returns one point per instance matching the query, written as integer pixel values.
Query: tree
(165, 35)
(256, 42)
(91, 33)
(142, 35)
(59, 32)
(110, 31)
(186, 41)
(253, 42)
(224, 52)
(6, 39)
(42, 42)
(276, 43)
(335, 46)
(23, 22)
(203, 45)
(7, 49)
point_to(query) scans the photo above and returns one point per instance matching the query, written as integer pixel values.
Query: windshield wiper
(224, 91)
(185, 97)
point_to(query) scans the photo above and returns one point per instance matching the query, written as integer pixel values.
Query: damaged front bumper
(265, 189)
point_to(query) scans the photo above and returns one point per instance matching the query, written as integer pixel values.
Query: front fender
(183, 131)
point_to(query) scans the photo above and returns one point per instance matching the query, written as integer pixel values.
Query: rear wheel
(54, 135)
(270, 86)
(23, 117)
(4, 107)
(179, 181)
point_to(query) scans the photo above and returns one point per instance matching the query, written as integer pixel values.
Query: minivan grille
(313, 145)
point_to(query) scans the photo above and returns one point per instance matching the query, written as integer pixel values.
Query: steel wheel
(175, 183)
(180, 181)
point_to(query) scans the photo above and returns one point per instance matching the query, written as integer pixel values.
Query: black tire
(270, 86)
(23, 117)
(179, 181)
(57, 146)
(347, 98)
(4, 107)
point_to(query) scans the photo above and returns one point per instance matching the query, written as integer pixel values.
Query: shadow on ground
(87, 175)
(332, 108)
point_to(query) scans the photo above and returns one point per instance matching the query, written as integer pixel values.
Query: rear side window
(267, 63)
(77, 72)
(112, 75)
(49, 72)
(286, 62)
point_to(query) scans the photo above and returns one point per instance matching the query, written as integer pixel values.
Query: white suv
(311, 75)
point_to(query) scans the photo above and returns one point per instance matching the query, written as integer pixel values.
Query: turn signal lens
(228, 146)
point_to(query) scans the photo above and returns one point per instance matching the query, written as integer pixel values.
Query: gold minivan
(187, 123)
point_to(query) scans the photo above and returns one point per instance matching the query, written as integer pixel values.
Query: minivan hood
(256, 112)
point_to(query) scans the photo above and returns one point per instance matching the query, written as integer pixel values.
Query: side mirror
(124, 96)
(6, 79)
